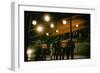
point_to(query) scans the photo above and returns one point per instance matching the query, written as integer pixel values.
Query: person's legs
(44, 54)
(56, 54)
(72, 53)
(60, 53)
(51, 54)
(68, 56)
(68, 53)
(63, 53)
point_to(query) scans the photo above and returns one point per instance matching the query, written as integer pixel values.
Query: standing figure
(51, 51)
(63, 50)
(57, 50)
(70, 49)
(44, 50)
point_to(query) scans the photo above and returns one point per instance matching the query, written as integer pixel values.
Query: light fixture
(47, 18)
(39, 28)
(57, 31)
(47, 34)
(34, 22)
(29, 51)
(64, 22)
(52, 25)
(77, 25)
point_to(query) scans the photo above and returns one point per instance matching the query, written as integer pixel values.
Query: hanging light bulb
(52, 25)
(64, 22)
(47, 34)
(47, 18)
(39, 28)
(57, 31)
(34, 22)
(77, 25)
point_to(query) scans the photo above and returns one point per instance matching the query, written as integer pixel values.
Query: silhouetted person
(51, 51)
(57, 50)
(63, 50)
(38, 54)
(70, 49)
(44, 51)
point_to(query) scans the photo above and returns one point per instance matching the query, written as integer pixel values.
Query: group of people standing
(57, 51)
(63, 50)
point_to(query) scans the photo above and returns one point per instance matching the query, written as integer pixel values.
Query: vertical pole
(71, 28)
(30, 22)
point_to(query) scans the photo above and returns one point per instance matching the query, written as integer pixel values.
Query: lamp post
(77, 29)
(71, 28)
(77, 34)
(29, 53)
